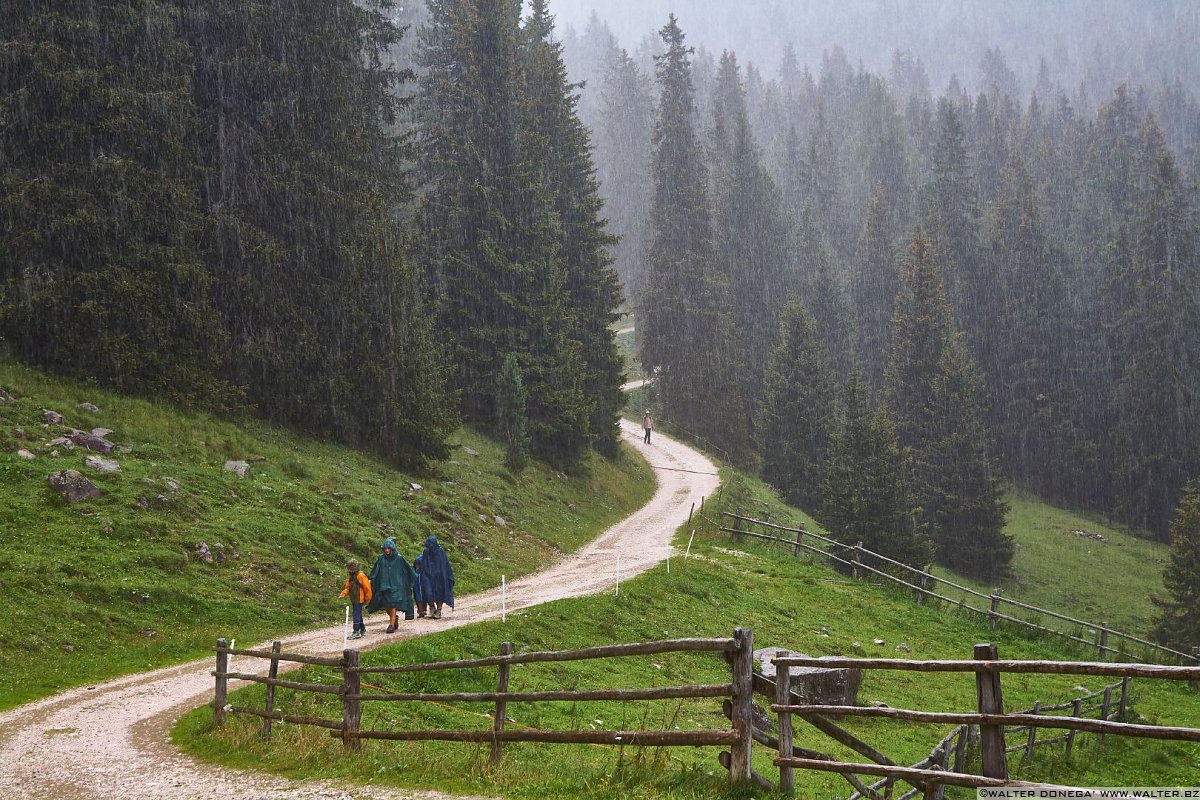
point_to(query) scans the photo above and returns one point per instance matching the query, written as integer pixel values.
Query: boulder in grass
(5, 397)
(52, 417)
(91, 441)
(89, 407)
(239, 468)
(73, 486)
(101, 464)
(830, 686)
(25, 454)
(101, 432)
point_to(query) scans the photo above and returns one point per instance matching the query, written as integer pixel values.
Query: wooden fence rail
(992, 722)
(926, 582)
(738, 651)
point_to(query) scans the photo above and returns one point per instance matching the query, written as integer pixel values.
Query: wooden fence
(989, 718)
(737, 650)
(854, 558)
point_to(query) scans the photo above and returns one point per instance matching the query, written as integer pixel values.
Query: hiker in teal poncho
(392, 580)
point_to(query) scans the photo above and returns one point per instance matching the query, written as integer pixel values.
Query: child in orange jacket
(358, 589)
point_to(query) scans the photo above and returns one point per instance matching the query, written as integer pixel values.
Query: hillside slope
(120, 583)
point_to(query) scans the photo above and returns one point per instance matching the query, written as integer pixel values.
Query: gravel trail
(111, 740)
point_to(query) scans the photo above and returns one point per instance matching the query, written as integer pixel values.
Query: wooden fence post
(1076, 711)
(221, 693)
(272, 673)
(992, 613)
(506, 649)
(923, 582)
(1105, 706)
(799, 539)
(854, 561)
(1032, 740)
(991, 701)
(691, 511)
(1102, 642)
(743, 698)
(959, 746)
(351, 705)
(737, 525)
(1124, 705)
(783, 696)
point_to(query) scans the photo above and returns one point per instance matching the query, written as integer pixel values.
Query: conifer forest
(896, 255)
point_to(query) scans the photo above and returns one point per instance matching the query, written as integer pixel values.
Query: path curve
(111, 740)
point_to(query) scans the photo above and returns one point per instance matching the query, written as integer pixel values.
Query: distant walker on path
(648, 424)
(437, 578)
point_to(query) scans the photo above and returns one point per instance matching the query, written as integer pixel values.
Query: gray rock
(89, 407)
(470, 451)
(25, 454)
(760, 719)
(240, 468)
(501, 521)
(834, 686)
(878, 642)
(416, 487)
(73, 486)
(203, 553)
(101, 464)
(125, 448)
(61, 441)
(101, 432)
(52, 417)
(5, 397)
(457, 517)
(903, 648)
(92, 442)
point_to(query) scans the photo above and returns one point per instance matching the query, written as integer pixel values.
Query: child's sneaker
(356, 635)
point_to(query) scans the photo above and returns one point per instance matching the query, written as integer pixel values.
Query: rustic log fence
(989, 720)
(924, 585)
(738, 651)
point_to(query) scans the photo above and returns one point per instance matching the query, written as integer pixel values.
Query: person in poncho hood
(437, 578)
(392, 580)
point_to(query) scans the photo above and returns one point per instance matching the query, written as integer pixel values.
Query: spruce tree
(1156, 339)
(593, 294)
(866, 495)
(306, 187)
(492, 239)
(685, 327)
(1177, 624)
(511, 419)
(874, 285)
(932, 391)
(101, 271)
(797, 412)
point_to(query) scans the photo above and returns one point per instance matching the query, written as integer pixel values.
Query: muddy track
(111, 740)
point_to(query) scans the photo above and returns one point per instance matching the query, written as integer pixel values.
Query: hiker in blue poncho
(437, 578)
(392, 580)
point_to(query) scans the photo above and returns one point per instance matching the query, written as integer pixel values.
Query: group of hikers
(396, 586)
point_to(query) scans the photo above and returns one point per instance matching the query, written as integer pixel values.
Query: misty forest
(898, 258)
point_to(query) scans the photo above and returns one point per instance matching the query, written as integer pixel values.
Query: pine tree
(951, 203)
(101, 274)
(797, 412)
(1156, 339)
(592, 291)
(932, 390)
(511, 399)
(324, 309)
(866, 495)
(875, 283)
(685, 327)
(1177, 624)
(493, 240)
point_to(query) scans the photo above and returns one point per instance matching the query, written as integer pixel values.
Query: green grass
(787, 602)
(1108, 581)
(113, 586)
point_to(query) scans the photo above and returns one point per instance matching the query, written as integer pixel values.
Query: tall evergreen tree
(1177, 624)
(685, 327)
(492, 238)
(932, 390)
(874, 285)
(1157, 343)
(866, 495)
(796, 416)
(323, 307)
(101, 274)
(593, 294)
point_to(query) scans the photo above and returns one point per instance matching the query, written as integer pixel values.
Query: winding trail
(111, 740)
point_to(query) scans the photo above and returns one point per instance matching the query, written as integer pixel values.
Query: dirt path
(111, 741)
